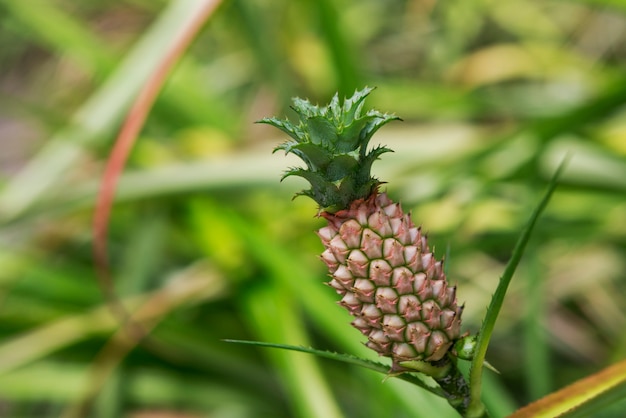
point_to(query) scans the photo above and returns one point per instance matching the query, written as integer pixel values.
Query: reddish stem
(119, 155)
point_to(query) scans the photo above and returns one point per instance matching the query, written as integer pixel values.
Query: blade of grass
(347, 358)
(99, 116)
(112, 396)
(476, 408)
(581, 398)
(49, 25)
(52, 336)
(143, 248)
(183, 343)
(343, 54)
(60, 382)
(262, 40)
(618, 5)
(273, 315)
(537, 368)
(498, 400)
(124, 143)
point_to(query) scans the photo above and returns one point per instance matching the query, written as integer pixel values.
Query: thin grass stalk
(538, 369)
(96, 119)
(476, 408)
(346, 67)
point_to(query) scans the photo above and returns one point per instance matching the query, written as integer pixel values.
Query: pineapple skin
(390, 281)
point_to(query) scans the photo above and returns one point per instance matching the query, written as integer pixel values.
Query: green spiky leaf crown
(333, 141)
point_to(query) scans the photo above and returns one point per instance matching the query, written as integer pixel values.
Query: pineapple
(379, 261)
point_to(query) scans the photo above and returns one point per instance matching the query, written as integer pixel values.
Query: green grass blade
(273, 315)
(617, 5)
(99, 116)
(49, 25)
(476, 407)
(262, 39)
(538, 368)
(39, 342)
(349, 359)
(345, 64)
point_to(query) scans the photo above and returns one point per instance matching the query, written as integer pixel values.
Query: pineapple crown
(332, 141)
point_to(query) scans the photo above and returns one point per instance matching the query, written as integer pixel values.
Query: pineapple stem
(455, 387)
(446, 373)
(436, 371)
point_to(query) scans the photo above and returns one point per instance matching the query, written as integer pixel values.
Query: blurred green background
(206, 244)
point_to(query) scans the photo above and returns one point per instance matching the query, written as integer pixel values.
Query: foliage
(205, 245)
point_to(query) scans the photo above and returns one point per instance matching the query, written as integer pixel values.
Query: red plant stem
(119, 155)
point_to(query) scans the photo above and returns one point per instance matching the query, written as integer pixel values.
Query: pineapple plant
(379, 262)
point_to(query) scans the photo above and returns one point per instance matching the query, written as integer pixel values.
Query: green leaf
(376, 121)
(285, 126)
(323, 192)
(315, 157)
(350, 137)
(313, 177)
(340, 167)
(49, 24)
(318, 157)
(334, 107)
(365, 168)
(305, 109)
(476, 408)
(353, 105)
(349, 359)
(348, 191)
(95, 121)
(322, 132)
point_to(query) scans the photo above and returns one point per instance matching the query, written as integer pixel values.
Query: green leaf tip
(332, 141)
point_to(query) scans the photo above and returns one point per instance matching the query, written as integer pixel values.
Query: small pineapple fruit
(379, 262)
